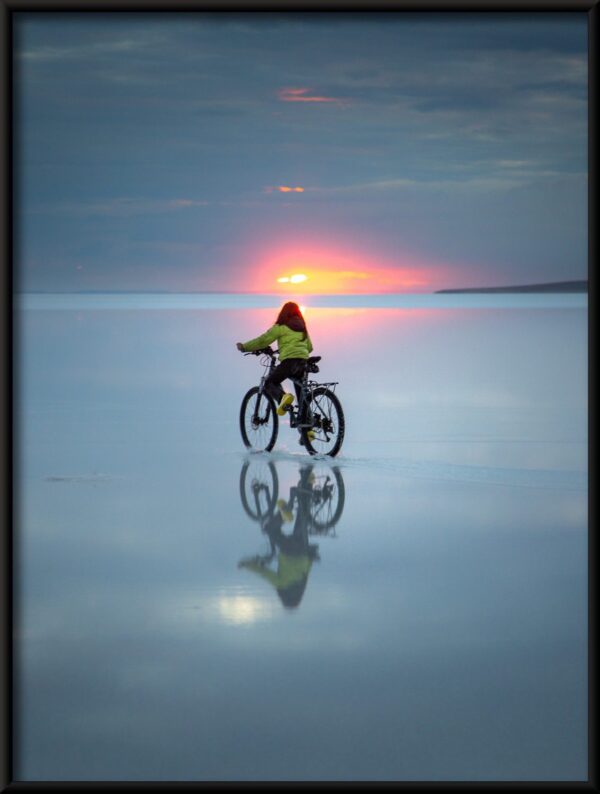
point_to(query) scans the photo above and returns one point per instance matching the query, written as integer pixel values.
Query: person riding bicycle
(295, 346)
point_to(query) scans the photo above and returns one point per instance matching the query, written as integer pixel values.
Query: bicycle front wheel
(259, 488)
(324, 423)
(259, 423)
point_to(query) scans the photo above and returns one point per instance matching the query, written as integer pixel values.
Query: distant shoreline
(554, 287)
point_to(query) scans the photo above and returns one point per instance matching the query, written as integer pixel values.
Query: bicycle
(318, 415)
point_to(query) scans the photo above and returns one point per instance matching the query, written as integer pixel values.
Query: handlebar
(268, 351)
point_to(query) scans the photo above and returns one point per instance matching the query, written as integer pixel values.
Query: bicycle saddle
(313, 359)
(311, 363)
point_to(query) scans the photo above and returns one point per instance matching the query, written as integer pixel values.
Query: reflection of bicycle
(314, 506)
(318, 416)
(321, 486)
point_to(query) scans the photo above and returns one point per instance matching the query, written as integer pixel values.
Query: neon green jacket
(291, 344)
(289, 570)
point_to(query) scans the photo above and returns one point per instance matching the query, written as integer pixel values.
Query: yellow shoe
(286, 400)
(286, 514)
(311, 434)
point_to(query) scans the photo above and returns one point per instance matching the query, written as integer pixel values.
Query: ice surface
(229, 300)
(441, 630)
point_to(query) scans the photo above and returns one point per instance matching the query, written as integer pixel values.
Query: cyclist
(295, 346)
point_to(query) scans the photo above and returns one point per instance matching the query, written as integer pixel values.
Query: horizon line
(531, 287)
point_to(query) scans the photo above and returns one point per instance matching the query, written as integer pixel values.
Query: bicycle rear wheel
(328, 497)
(325, 417)
(259, 423)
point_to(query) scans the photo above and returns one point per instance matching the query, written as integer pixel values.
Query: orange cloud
(303, 95)
(284, 189)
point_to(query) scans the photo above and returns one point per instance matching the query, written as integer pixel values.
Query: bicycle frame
(296, 413)
(304, 390)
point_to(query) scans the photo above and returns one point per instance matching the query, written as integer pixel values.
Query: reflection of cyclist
(296, 554)
(294, 346)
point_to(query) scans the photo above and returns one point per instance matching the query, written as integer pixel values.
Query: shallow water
(416, 610)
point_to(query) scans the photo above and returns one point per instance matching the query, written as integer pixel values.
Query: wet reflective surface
(414, 609)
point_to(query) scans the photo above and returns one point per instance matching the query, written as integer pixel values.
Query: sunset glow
(323, 269)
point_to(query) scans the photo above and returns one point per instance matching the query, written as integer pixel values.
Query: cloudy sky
(383, 152)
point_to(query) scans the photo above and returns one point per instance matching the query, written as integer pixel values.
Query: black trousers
(290, 368)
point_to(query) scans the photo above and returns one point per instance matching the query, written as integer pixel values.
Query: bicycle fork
(261, 390)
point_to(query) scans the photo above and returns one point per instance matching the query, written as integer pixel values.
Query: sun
(297, 278)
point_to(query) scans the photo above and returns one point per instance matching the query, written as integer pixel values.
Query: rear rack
(313, 384)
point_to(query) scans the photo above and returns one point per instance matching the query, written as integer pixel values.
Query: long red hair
(291, 316)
